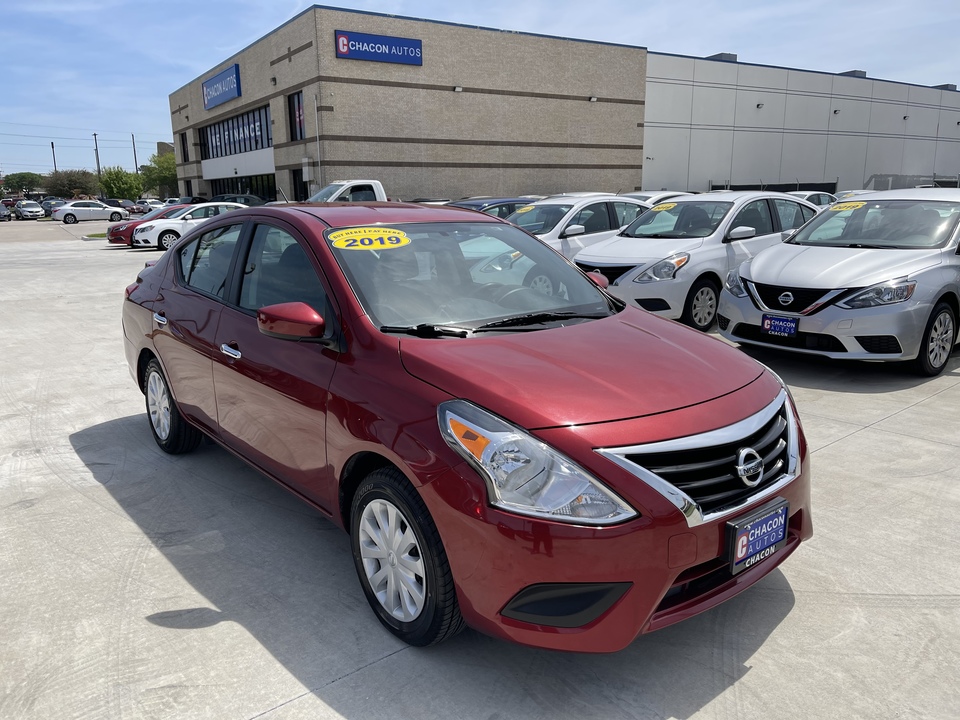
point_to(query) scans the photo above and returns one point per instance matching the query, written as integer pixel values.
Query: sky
(72, 68)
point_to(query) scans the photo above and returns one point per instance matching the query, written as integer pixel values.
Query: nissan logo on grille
(749, 467)
(786, 298)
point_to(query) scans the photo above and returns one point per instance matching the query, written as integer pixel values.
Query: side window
(362, 193)
(807, 212)
(755, 215)
(791, 214)
(205, 262)
(594, 218)
(278, 271)
(626, 212)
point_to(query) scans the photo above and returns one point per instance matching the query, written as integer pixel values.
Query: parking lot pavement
(140, 585)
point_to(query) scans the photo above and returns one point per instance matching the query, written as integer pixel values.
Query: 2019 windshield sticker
(525, 208)
(840, 207)
(368, 238)
(663, 206)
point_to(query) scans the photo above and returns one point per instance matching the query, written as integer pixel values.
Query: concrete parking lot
(139, 585)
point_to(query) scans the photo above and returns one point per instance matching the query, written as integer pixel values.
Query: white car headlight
(142, 229)
(734, 284)
(888, 293)
(666, 269)
(524, 475)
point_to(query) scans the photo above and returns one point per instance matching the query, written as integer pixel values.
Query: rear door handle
(159, 319)
(231, 351)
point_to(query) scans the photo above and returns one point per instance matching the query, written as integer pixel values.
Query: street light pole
(54, 151)
(136, 167)
(96, 151)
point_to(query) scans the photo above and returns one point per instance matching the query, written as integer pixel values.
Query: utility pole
(136, 167)
(96, 151)
(54, 151)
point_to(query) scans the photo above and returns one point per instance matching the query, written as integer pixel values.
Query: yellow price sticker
(840, 207)
(368, 238)
(663, 206)
(525, 208)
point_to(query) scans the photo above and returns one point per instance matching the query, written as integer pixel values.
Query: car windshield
(154, 213)
(462, 276)
(31, 205)
(539, 219)
(679, 220)
(326, 193)
(178, 212)
(891, 224)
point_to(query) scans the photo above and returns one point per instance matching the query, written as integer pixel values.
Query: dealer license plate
(758, 536)
(780, 326)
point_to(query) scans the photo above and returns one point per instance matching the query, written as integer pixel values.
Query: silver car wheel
(704, 306)
(158, 404)
(542, 283)
(392, 561)
(941, 340)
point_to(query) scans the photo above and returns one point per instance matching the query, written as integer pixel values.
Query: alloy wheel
(941, 340)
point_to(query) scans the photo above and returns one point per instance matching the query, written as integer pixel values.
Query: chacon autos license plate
(781, 326)
(757, 536)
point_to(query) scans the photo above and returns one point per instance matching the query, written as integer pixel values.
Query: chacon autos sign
(221, 87)
(378, 48)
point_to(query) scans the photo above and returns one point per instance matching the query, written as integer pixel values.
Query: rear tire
(69, 219)
(700, 309)
(939, 337)
(401, 562)
(172, 433)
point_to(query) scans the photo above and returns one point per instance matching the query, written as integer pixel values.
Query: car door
(99, 211)
(186, 316)
(792, 214)
(756, 214)
(272, 394)
(626, 212)
(595, 219)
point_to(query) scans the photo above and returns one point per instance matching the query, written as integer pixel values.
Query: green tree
(115, 182)
(71, 183)
(22, 182)
(160, 175)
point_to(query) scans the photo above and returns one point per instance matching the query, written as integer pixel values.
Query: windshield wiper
(426, 330)
(861, 246)
(656, 235)
(535, 319)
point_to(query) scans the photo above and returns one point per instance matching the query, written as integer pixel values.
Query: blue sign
(221, 87)
(378, 48)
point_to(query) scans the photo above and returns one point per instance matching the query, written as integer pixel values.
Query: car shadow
(267, 562)
(851, 376)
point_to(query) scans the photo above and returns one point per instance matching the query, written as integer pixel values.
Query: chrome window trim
(731, 433)
(827, 297)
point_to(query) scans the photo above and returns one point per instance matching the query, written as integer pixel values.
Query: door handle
(159, 319)
(231, 351)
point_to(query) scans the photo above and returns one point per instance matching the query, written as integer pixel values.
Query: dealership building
(435, 109)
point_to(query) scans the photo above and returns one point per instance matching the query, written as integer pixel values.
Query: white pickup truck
(351, 191)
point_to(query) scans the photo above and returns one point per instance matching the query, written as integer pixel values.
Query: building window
(243, 133)
(184, 147)
(263, 186)
(298, 186)
(188, 184)
(295, 113)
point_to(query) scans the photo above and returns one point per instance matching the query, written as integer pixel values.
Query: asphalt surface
(138, 585)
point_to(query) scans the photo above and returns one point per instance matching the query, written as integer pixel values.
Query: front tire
(116, 217)
(69, 219)
(700, 309)
(939, 337)
(166, 240)
(401, 562)
(169, 429)
(542, 281)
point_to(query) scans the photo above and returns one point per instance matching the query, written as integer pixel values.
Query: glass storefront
(243, 133)
(264, 186)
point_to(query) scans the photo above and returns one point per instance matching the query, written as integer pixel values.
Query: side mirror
(574, 230)
(598, 279)
(741, 232)
(787, 234)
(291, 321)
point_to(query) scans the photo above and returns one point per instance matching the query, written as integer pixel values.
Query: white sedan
(77, 210)
(672, 260)
(162, 234)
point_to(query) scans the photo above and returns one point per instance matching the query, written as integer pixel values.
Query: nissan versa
(559, 470)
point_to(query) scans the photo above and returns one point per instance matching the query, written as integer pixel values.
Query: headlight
(888, 293)
(734, 284)
(524, 475)
(121, 228)
(143, 229)
(664, 270)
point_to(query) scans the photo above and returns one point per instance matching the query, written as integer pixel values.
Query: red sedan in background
(563, 471)
(122, 233)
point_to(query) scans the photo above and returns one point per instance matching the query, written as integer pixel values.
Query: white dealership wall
(715, 121)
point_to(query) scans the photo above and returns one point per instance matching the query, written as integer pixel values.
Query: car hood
(803, 266)
(630, 365)
(621, 250)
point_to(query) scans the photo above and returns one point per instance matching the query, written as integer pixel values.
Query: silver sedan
(77, 210)
(874, 278)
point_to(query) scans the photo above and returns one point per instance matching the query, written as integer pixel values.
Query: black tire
(939, 337)
(700, 308)
(166, 239)
(116, 217)
(438, 617)
(176, 436)
(542, 281)
(69, 219)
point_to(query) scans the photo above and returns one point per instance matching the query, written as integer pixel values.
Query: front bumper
(142, 241)
(665, 298)
(892, 332)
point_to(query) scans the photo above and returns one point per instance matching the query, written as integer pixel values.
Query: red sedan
(564, 471)
(122, 233)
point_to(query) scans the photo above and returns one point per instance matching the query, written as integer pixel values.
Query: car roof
(943, 194)
(727, 196)
(485, 202)
(577, 199)
(379, 213)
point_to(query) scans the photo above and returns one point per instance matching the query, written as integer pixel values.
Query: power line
(64, 127)
(58, 137)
